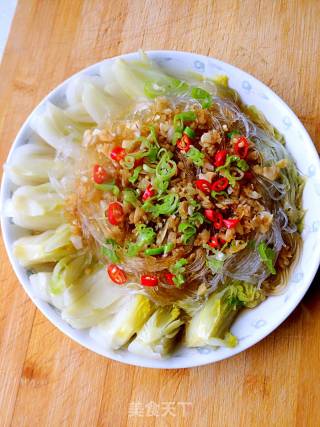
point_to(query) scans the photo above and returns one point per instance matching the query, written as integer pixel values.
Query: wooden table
(48, 380)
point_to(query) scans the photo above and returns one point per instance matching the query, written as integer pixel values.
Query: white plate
(252, 325)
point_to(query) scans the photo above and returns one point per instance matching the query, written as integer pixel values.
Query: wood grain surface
(48, 380)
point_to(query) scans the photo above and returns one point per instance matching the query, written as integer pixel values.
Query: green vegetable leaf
(268, 256)
(178, 270)
(165, 86)
(158, 335)
(215, 264)
(109, 250)
(202, 96)
(210, 325)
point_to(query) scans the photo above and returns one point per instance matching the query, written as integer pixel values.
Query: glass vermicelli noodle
(157, 207)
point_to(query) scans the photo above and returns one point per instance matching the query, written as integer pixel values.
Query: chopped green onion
(197, 218)
(161, 185)
(214, 194)
(160, 250)
(194, 203)
(268, 256)
(234, 132)
(128, 162)
(188, 231)
(189, 132)
(130, 196)
(224, 170)
(109, 186)
(145, 236)
(227, 174)
(154, 251)
(153, 153)
(165, 170)
(180, 118)
(229, 159)
(168, 248)
(133, 249)
(149, 169)
(168, 206)
(177, 135)
(153, 135)
(139, 154)
(202, 96)
(195, 156)
(243, 165)
(161, 152)
(135, 174)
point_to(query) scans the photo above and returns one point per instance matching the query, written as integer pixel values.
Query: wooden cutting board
(48, 380)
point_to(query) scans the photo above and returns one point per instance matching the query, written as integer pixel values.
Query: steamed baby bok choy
(85, 299)
(117, 330)
(58, 129)
(50, 246)
(31, 163)
(158, 335)
(210, 325)
(94, 299)
(69, 270)
(37, 208)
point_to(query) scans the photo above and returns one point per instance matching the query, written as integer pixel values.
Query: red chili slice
(215, 217)
(118, 154)
(203, 185)
(184, 143)
(169, 278)
(230, 223)
(115, 213)
(241, 147)
(138, 162)
(149, 192)
(214, 242)
(220, 158)
(149, 280)
(217, 223)
(116, 274)
(99, 174)
(220, 185)
(209, 214)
